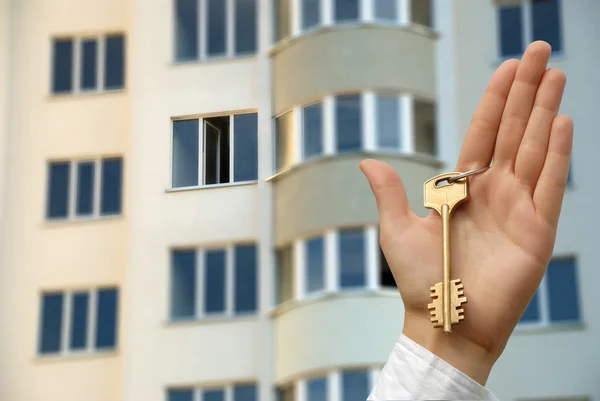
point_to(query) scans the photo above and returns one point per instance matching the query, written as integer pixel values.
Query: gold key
(447, 296)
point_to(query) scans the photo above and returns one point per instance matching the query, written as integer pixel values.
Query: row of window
(88, 64)
(345, 385)
(354, 122)
(294, 18)
(85, 188)
(214, 282)
(78, 321)
(215, 29)
(215, 150)
(523, 21)
(236, 392)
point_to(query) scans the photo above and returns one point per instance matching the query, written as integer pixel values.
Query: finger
(534, 146)
(389, 192)
(520, 102)
(478, 147)
(550, 188)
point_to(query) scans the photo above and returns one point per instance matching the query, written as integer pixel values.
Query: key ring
(467, 174)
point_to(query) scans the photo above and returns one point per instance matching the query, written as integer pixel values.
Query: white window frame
(526, 23)
(77, 64)
(97, 190)
(67, 307)
(197, 392)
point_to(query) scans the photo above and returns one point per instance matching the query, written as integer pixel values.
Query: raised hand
(503, 237)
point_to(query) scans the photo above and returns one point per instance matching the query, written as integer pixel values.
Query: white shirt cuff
(413, 372)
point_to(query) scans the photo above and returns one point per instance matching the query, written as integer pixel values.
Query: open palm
(503, 236)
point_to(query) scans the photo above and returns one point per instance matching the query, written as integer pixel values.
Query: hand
(503, 236)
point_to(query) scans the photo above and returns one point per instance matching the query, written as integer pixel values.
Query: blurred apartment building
(182, 216)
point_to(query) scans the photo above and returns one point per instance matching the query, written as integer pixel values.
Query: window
(421, 12)
(312, 129)
(287, 393)
(523, 21)
(352, 258)
(386, 278)
(79, 321)
(311, 13)
(557, 299)
(284, 143)
(239, 392)
(346, 10)
(348, 122)
(386, 10)
(285, 274)
(316, 389)
(355, 385)
(199, 282)
(388, 121)
(215, 30)
(425, 129)
(315, 265)
(283, 24)
(85, 189)
(215, 150)
(81, 64)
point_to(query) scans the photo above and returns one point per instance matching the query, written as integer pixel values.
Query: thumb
(389, 192)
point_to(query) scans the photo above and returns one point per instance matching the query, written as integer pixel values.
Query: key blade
(451, 194)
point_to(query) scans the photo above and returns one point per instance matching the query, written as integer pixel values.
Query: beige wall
(323, 334)
(337, 59)
(331, 192)
(38, 255)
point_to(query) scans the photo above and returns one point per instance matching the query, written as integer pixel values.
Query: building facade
(182, 217)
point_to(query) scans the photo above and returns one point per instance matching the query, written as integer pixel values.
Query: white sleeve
(412, 372)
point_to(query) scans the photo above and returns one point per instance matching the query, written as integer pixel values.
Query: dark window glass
(311, 13)
(180, 395)
(511, 30)
(421, 12)
(386, 10)
(51, 323)
(245, 393)
(532, 313)
(107, 318)
(286, 393)
(62, 66)
(245, 163)
(425, 128)
(316, 389)
(185, 153)
(352, 258)
(284, 128)
(112, 186)
(186, 47)
(85, 188)
(216, 19)
(89, 64)
(349, 123)
(212, 153)
(214, 282)
(79, 320)
(355, 386)
(285, 274)
(183, 284)
(58, 190)
(282, 19)
(114, 62)
(313, 130)
(563, 292)
(386, 278)
(245, 278)
(546, 22)
(213, 395)
(315, 251)
(346, 10)
(388, 121)
(245, 26)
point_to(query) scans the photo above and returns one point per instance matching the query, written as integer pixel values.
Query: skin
(503, 236)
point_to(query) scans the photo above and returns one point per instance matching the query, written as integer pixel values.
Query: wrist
(462, 354)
